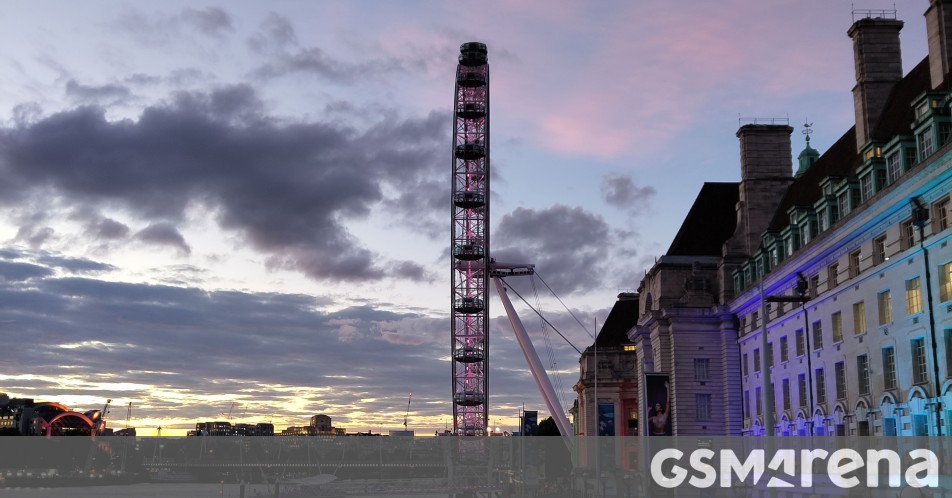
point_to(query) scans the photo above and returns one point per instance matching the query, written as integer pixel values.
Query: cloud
(104, 93)
(289, 188)
(18, 272)
(211, 21)
(569, 245)
(164, 234)
(161, 29)
(620, 191)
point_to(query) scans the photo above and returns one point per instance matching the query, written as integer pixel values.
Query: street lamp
(802, 298)
(920, 216)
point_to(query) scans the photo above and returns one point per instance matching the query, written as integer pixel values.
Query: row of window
(759, 265)
(920, 375)
(913, 305)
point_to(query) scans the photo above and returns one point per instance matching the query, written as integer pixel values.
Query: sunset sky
(244, 206)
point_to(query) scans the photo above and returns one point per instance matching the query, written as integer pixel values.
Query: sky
(241, 210)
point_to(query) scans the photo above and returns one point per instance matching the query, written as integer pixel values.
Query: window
(885, 308)
(769, 359)
(859, 318)
(703, 406)
(919, 374)
(801, 343)
(913, 296)
(893, 167)
(754, 320)
(784, 356)
(701, 368)
(907, 234)
(820, 386)
(629, 347)
(746, 404)
(843, 203)
(889, 368)
(879, 250)
(759, 401)
(940, 215)
(817, 336)
(802, 388)
(854, 263)
(814, 286)
(744, 365)
(839, 371)
(945, 282)
(926, 144)
(862, 373)
(837, 326)
(832, 276)
(756, 359)
(786, 394)
(866, 184)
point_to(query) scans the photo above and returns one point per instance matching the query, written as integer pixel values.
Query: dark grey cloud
(17, 272)
(74, 265)
(35, 236)
(621, 191)
(288, 188)
(109, 93)
(164, 234)
(107, 229)
(569, 245)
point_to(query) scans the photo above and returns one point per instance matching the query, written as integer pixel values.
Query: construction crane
(407, 415)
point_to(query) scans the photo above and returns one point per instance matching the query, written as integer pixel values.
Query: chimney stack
(766, 170)
(938, 29)
(878, 67)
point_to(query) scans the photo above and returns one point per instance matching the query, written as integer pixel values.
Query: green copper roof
(807, 158)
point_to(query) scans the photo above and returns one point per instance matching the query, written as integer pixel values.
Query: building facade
(815, 301)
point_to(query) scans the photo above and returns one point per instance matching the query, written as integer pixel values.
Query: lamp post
(920, 216)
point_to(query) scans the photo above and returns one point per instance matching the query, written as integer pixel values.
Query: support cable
(566, 308)
(553, 363)
(543, 318)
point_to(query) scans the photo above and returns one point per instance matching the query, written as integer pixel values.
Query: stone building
(855, 264)
(844, 263)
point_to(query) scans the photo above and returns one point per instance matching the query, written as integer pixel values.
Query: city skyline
(205, 205)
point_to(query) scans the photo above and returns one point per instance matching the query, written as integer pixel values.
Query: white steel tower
(470, 242)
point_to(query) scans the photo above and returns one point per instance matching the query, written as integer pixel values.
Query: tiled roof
(621, 319)
(842, 159)
(710, 222)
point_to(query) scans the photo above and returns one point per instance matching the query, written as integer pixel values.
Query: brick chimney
(878, 67)
(939, 32)
(766, 168)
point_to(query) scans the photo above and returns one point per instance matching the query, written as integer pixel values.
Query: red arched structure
(69, 424)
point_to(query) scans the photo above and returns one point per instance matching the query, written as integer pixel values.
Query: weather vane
(807, 130)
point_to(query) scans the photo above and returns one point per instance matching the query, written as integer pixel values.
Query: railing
(874, 14)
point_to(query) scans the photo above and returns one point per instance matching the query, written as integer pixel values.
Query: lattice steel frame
(470, 243)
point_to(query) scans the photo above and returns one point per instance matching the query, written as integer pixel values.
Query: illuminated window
(913, 296)
(837, 326)
(885, 307)
(629, 347)
(859, 318)
(945, 282)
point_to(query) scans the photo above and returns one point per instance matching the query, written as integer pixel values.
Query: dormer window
(926, 144)
(893, 168)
